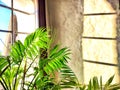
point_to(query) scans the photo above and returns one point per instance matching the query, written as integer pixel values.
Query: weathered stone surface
(100, 50)
(100, 26)
(91, 70)
(97, 6)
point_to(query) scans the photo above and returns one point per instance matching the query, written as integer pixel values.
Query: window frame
(41, 17)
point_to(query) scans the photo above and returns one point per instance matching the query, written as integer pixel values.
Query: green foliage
(31, 67)
(95, 84)
(69, 80)
(25, 68)
(4, 64)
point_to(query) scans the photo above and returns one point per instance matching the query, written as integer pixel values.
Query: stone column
(65, 19)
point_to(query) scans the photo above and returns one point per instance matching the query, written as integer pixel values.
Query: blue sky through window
(5, 15)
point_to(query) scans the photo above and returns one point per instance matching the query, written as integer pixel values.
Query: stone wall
(99, 44)
(97, 54)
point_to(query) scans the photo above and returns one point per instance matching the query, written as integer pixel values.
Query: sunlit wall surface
(100, 40)
(65, 19)
(17, 19)
(91, 34)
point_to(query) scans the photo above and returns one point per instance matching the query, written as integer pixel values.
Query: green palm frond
(114, 87)
(95, 84)
(17, 52)
(35, 41)
(56, 60)
(109, 86)
(68, 78)
(10, 74)
(20, 52)
(4, 64)
(23, 57)
(31, 46)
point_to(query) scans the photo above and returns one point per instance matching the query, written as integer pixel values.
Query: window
(17, 19)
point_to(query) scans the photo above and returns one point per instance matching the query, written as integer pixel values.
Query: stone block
(100, 50)
(99, 6)
(100, 26)
(91, 70)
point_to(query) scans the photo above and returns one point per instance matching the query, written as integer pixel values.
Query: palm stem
(31, 64)
(4, 70)
(24, 74)
(32, 81)
(4, 84)
(16, 75)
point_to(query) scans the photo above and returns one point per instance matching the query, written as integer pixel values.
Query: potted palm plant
(28, 67)
(31, 65)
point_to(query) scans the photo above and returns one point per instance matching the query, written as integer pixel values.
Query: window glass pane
(5, 2)
(21, 37)
(24, 5)
(24, 20)
(5, 42)
(5, 15)
(26, 23)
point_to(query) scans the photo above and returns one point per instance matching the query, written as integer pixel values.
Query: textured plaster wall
(65, 19)
(99, 50)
